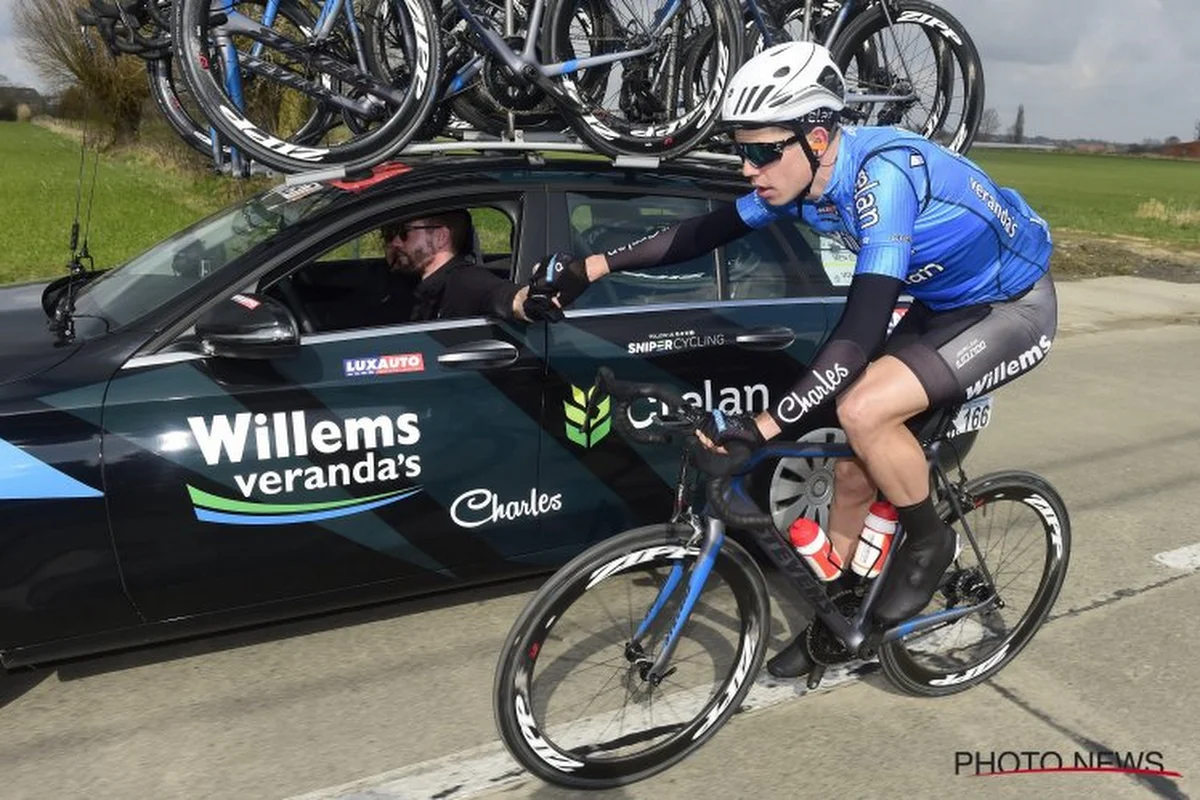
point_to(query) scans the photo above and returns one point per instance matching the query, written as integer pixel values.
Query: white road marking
(490, 768)
(1185, 558)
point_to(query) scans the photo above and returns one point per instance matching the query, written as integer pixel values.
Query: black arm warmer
(687, 239)
(858, 335)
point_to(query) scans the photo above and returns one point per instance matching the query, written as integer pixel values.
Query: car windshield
(156, 277)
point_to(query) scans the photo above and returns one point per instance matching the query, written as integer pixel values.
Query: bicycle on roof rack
(637, 651)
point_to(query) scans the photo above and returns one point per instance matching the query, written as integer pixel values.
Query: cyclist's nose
(748, 169)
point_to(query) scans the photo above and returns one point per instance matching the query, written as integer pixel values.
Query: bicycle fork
(656, 671)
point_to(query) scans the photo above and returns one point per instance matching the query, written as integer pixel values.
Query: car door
(401, 456)
(683, 324)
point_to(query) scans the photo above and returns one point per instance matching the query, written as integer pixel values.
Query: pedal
(814, 677)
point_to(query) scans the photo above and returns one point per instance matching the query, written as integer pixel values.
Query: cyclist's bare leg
(853, 491)
(873, 412)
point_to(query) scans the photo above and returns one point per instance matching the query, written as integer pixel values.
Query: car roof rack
(532, 144)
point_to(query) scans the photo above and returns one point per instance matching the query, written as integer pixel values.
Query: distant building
(1182, 150)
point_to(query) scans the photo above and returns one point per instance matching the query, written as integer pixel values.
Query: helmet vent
(782, 71)
(831, 81)
(762, 96)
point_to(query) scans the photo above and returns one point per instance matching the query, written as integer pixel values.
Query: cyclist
(922, 220)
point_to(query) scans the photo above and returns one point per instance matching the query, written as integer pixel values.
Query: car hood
(27, 346)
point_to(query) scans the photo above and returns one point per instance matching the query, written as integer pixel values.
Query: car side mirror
(248, 326)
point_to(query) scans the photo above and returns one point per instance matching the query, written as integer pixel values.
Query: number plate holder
(973, 416)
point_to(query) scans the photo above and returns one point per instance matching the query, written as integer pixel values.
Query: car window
(601, 222)
(786, 259)
(349, 284)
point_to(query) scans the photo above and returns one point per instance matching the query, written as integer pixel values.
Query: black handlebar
(726, 494)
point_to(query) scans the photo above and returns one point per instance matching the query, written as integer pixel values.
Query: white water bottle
(875, 541)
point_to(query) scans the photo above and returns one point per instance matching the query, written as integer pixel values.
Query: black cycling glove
(736, 433)
(558, 276)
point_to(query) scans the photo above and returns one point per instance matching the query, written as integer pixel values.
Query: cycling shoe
(793, 660)
(914, 575)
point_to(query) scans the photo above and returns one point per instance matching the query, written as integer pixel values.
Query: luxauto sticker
(273, 491)
(383, 365)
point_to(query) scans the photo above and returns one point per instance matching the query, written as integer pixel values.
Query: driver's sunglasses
(760, 154)
(402, 230)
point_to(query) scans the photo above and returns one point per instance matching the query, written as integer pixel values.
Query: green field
(139, 202)
(1154, 198)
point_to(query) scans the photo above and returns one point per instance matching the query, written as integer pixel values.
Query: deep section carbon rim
(1022, 529)
(572, 704)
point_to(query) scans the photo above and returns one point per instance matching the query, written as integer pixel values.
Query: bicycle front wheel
(572, 702)
(1022, 530)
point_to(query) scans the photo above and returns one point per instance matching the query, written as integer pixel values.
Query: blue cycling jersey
(915, 211)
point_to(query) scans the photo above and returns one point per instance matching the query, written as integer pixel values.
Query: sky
(1120, 70)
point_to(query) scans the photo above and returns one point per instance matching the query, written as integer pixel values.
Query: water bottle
(814, 547)
(875, 541)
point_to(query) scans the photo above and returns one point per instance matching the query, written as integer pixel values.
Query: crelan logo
(584, 429)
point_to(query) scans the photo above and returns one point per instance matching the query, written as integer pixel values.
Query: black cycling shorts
(961, 354)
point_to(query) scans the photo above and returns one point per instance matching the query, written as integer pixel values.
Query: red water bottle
(875, 541)
(814, 547)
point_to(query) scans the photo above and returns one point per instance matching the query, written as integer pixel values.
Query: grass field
(1153, 198)
(139, 202)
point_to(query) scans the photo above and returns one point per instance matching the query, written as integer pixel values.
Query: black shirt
(461, 288)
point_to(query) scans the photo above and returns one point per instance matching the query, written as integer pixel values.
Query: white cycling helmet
(783, 85)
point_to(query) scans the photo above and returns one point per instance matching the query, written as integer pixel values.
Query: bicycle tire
(194, 133)
(898, 658)
(936, 22)
(612, 135)
(287, 154)
(545, 626)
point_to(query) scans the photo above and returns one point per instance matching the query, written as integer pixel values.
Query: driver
(922, 220)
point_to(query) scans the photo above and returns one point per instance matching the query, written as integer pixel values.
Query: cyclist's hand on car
(556, 282)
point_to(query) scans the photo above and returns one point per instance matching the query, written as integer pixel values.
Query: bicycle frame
(860, 636)
(234, 22)
(525, 64)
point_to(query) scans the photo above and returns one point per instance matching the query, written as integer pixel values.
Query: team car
(170, 468)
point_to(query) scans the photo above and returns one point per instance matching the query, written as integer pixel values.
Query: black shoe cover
(792, 661)
(914, 575)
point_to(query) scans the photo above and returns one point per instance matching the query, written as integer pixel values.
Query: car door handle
(774, 338)
(480, 355)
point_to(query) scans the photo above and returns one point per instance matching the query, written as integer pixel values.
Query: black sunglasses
(759, 154)
(402, 230)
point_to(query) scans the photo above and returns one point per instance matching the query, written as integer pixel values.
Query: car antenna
(62, 323)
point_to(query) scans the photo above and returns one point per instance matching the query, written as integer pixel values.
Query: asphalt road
(395, 701)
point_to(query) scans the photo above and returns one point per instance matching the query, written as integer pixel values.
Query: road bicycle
(637, 651)
(379, 68)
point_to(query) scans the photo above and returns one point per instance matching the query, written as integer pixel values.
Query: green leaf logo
(583, 430)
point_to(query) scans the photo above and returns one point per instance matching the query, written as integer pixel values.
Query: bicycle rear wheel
(913, 47)
(570, 701)
(1023, 531)
(646, 105)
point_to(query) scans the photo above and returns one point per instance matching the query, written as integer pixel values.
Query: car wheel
(803, 487)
